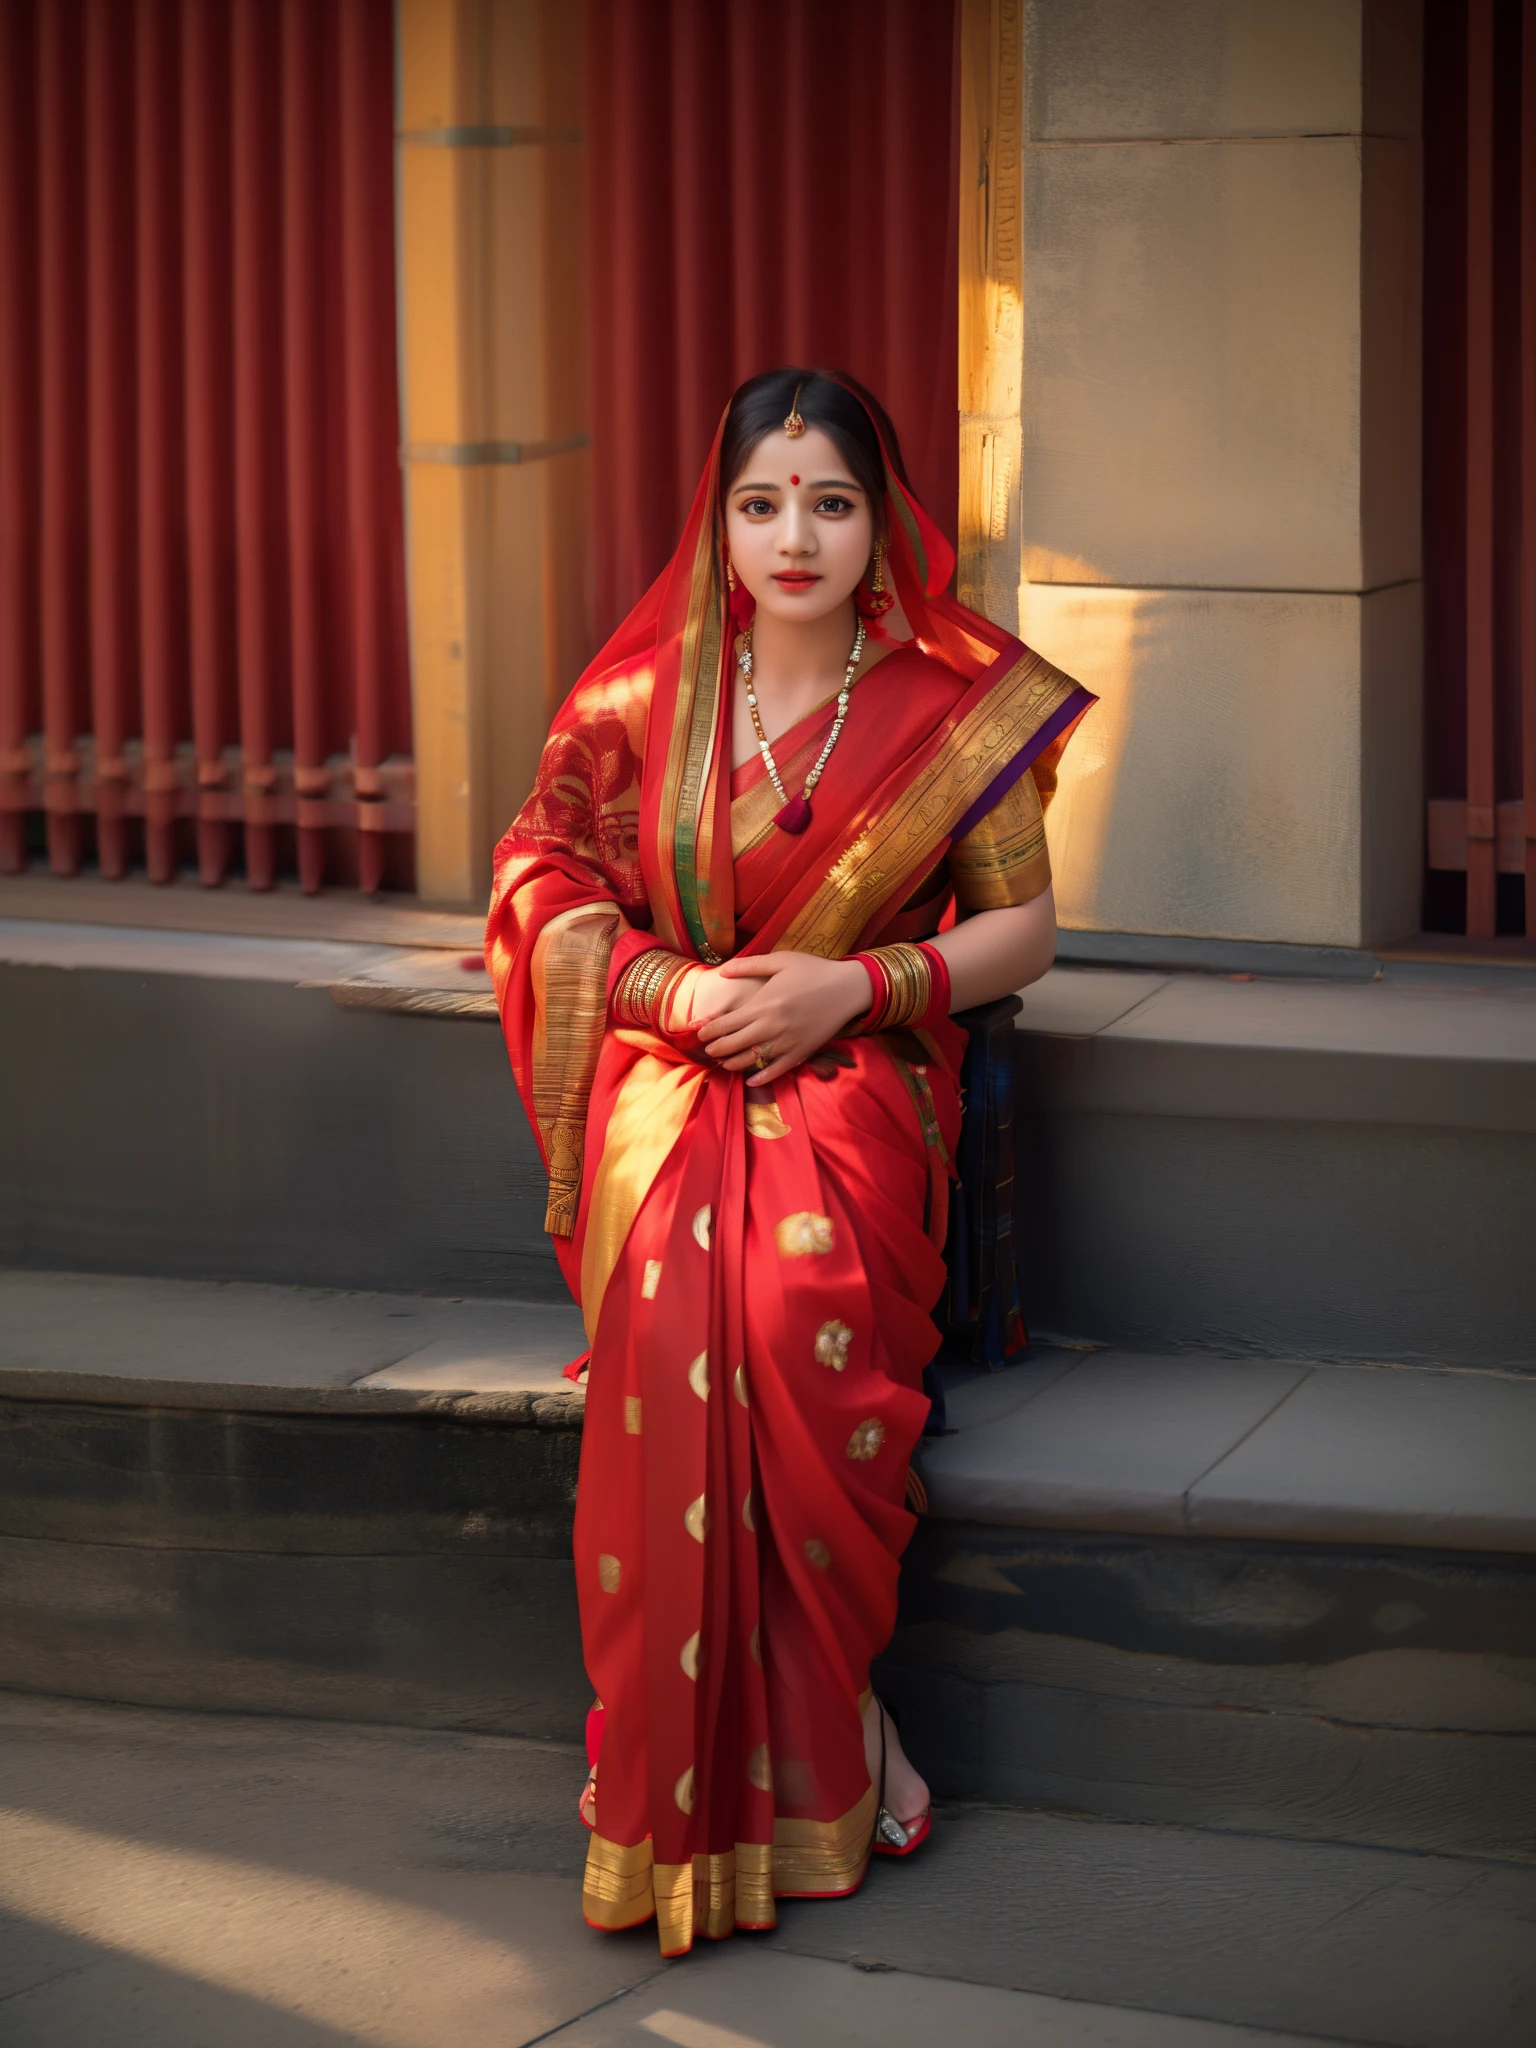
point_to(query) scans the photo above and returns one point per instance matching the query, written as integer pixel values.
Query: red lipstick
(795, 579)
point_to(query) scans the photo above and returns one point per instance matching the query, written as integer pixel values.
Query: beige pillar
(991, 306)
(493, 328)
(1220, 456)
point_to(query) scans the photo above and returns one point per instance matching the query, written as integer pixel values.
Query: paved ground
(189, 1881)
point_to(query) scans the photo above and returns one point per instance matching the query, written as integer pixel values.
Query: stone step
(1292, 1168)
(1273, 1596)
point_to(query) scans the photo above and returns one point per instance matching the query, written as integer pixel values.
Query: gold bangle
(909, 985)
(668, 989)
(636, 998)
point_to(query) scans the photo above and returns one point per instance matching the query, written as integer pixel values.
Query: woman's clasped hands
(767, 1012)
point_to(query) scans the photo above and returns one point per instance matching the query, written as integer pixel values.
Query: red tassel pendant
(794, 817)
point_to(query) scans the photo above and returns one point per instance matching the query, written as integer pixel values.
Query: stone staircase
(283, 1426)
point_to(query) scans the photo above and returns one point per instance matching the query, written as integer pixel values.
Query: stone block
(1307, 1238)
(1193, 361)
(1215, 789)
(1434, 1459)
(186, 1125)
(1120, 69)
(211, 1480)
(438, 1641)
(1263, 1773)
(1115, 1443)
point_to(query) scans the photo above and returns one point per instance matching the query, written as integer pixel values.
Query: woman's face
(800, 530)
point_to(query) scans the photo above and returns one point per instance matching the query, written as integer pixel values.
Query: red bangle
(879, 991)
(939, 991)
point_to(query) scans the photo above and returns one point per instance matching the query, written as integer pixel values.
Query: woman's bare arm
(994, 952)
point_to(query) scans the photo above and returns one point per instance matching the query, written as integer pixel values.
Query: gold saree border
(1003, 860)
(878, 862)
(569, 976)
(616, 1885)
(712, 1895)
(823, 1856)
(655, 1100)
(685, 812)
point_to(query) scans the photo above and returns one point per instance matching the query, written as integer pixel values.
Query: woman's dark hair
(836, 404)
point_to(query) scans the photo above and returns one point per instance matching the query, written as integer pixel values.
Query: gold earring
(730, 574)
(880, 599)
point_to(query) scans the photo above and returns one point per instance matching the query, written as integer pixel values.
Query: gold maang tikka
(794, 426)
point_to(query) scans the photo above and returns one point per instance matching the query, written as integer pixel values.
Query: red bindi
(794, 479)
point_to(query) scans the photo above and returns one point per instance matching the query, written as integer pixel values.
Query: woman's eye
(834, 505)
(757, 508)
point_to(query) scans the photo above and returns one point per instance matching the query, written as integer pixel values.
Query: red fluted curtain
(1480, 465)
(772, 181)
(202, 617)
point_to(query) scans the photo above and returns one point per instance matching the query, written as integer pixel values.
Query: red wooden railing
(202, 618)
(1480, 456)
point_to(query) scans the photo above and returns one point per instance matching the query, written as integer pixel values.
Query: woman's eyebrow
(840, 483)
(755, 487)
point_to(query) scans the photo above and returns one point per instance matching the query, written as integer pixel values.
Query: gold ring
(762, 1056)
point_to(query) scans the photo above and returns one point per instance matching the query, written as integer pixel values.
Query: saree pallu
(755, 1267)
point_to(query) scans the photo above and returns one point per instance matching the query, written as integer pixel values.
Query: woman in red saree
(727, 1009)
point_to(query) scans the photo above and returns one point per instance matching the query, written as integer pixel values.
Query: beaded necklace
(795, 814)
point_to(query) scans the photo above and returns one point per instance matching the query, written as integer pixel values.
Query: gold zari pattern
(764, 1121)
(569, 973)
(1003, 860)
(870, 872)
(832, 1341)
(736, 1888)
(798, 1236)
(866, 1440)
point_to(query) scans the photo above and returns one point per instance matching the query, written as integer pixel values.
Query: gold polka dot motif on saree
(701, 1227)
(609, 1572)
(682, 1791)
(698, 1375)
(696, 1519)
(631, 1414)
(652, 1280)
(764, 1121)
(746, 1515)
(817, 1553)
(866, 1440)
(690, 1656)
(798, 1236)
(739, 1385)
(832, 1341)
(760, 1768)
(755, 1645)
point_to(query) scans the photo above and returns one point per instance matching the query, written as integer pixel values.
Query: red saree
(755, 1266)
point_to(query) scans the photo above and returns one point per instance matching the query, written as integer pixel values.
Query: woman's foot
(906, 1795)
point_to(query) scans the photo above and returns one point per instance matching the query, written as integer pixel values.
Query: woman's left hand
(800, 1002)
